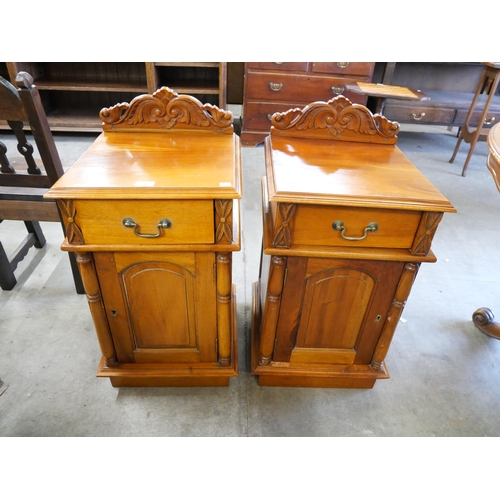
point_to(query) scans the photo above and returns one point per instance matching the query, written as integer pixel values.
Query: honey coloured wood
(348, 219)
(483, 318)
(151, 210)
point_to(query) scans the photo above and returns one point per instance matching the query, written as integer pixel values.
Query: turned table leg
(483, 319)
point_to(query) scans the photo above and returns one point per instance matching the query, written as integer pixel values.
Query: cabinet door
(333, 310)
(161, 307)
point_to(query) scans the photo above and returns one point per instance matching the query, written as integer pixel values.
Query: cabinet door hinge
(215, 272)
(286, 276)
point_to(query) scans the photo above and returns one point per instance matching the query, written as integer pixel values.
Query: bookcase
(73, 93)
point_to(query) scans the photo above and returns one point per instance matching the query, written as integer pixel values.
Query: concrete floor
(445, 374)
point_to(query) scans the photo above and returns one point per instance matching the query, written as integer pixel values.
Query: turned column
(90, 282)
(395, 311)
(224, 308)
(272, 309)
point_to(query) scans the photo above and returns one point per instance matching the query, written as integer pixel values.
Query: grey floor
(445, 374)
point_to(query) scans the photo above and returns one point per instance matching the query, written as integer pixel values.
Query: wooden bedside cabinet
(348, 220)
(152, 213)
(271, 87)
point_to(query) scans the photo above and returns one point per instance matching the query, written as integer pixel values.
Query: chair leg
(34, 228)
(7, 279)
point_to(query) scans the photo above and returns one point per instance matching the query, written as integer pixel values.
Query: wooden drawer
(279, 66)
(492, 118)
(296, 88)
(358, 69)
(419, 114)
(257, 115)
(101, 222)
(312, 225)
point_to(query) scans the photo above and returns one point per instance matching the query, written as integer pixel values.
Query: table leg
(483, 319)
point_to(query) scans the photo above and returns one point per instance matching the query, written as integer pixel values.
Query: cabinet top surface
(155, 165)
(346, 173)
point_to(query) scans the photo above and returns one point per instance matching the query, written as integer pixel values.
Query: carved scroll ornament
(336, 119)
(165, 110)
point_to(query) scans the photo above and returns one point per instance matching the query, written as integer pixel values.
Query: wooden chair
(21, 193)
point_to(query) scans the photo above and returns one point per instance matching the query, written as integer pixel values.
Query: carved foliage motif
(425, 233)
(73, 232)
(224, 232)
(283, 237)
(336, 119)
(165, 109)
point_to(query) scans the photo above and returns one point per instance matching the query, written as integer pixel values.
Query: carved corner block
(283, 235)
(425, 233)
(68, 213)
(223, 221)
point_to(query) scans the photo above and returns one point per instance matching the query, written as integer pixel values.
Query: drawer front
(362, 69)
(296, 88)
(312, 225)
(492, 118)
(419, 114)
(279, 66)
(101, 222)
(257, 115)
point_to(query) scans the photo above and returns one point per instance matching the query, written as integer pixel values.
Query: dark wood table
(381, 92)
(483, 318)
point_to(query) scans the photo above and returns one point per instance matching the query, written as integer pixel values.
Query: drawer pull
(163, 224)
(342, 64)
(417, 118)
(275, 86)
(338, 90)
(338, 225)
(489, 122)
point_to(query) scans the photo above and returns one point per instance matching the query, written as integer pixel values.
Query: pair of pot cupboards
(152, 213)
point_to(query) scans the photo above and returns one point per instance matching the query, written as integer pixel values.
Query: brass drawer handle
(275, 86)
(417, 118)
(489, 122)
(163, 224)
(338, 90)
(338, 225)
(342, 64)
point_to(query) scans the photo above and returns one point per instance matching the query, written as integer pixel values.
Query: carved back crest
(166, 110)
(337, 119)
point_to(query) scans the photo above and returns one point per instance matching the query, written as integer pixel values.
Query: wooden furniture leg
(8, 265)
(483, 319)
(490, 79)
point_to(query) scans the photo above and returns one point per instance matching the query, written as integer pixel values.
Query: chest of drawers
(348, 220)
(151, 211)
(276, 87)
